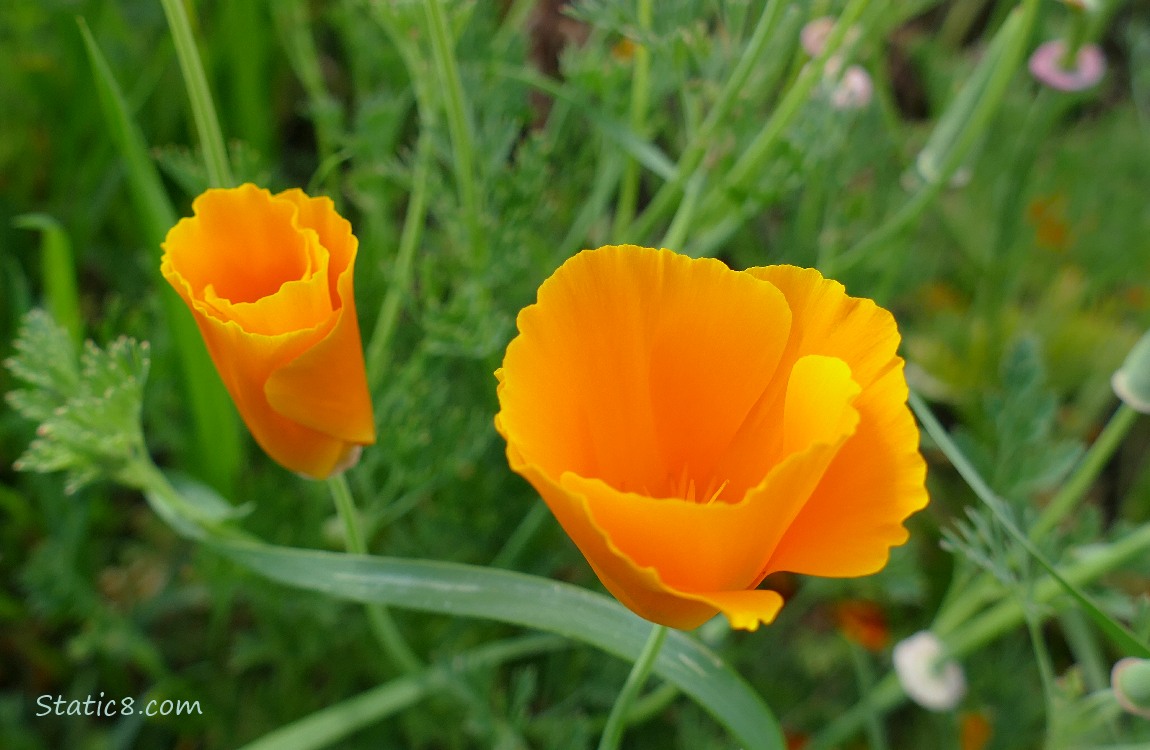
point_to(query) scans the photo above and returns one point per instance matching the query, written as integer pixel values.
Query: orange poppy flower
(269, 281)
(864, 623)
(694, 428)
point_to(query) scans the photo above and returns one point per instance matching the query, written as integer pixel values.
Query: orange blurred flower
(864, 623)
(695, 428)
(269, 281)
(1047, 215)
(975, 731)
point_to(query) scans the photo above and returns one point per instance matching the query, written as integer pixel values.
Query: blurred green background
(1019, 285)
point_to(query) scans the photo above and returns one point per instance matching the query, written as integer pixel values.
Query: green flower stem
(986, 627)
(1076, 35)
(203, 110)
(462, 144)
(703, 139)
(640, 96)
(617, 719)
(958, 130)
(299, 44)
(750, 164)
(864, 676)
(392, 641)
(681, 224)
(399, 280)
(1087, 472)
(1045, 668)
(653, 703)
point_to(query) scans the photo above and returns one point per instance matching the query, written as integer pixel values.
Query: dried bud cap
(1088, 69)
(929, 678)
(814, 35)
(854, 90)
(1132, 381)
(1130, 679)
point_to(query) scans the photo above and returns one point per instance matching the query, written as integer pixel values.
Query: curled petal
(269, 282)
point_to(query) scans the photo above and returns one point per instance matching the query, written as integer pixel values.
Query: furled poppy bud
(269, 281)
(695, 428)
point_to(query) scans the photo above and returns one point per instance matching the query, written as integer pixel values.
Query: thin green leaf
(203, 109)
(58, 272)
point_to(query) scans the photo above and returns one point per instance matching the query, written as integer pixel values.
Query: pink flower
(1046, 66)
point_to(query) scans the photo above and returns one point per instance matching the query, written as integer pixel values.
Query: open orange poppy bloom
(695, 428)
(269, 281)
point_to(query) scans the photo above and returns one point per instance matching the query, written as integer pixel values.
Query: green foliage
(1018, 289)
(88, 408)
(1016, 445)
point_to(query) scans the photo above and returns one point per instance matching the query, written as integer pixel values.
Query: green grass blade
(529, 601)
(203, 110)
(58, 272)
(216, 445)
(329, 725)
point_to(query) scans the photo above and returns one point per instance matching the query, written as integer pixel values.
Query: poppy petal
(875, 482)
(877, 479)
(245, 363)
(683, 370)
(706, 546)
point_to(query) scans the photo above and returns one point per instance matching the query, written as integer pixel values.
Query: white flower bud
(929, 678)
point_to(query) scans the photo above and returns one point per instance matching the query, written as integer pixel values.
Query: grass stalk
(458, 124)
(203, 110)
(640, 97)
(383, 626)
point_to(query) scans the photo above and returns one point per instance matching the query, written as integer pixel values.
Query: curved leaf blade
(529, 601)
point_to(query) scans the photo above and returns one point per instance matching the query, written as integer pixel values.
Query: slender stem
(399, 282)
(617, 719)
(640, 95)
(1091, 465)
(1045, 669)
(681, 224)
(384, 628)
(461, 136)
(703, 139)
(653, 703)
(876, 735)
(750, 163)
(203, 110)
(957, 132)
